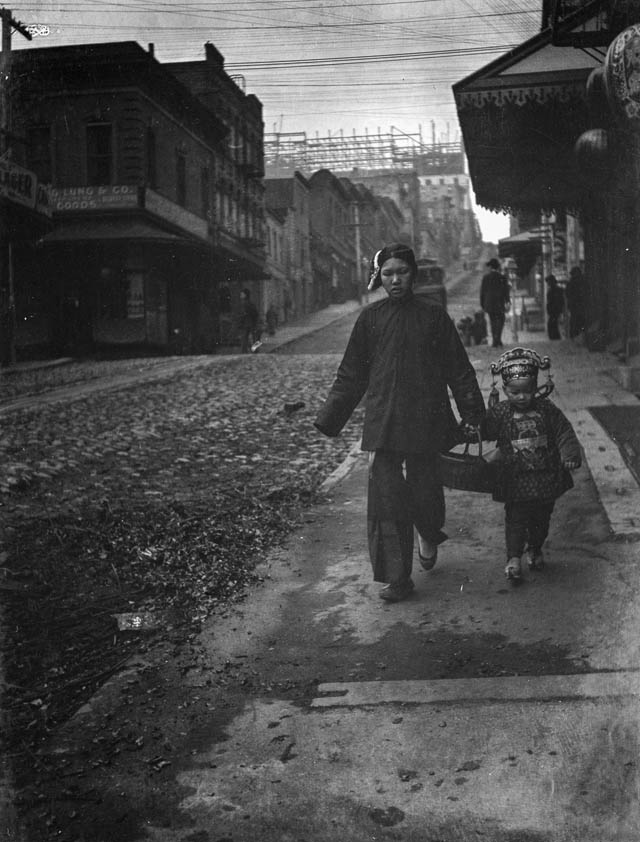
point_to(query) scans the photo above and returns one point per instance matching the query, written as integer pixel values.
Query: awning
(526, 244)
(520, 117)
(110, 229)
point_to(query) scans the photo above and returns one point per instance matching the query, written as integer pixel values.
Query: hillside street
(289, 702)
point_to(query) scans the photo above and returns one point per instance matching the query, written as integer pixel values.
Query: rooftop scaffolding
(286, 152)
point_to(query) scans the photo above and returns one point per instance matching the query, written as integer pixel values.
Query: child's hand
(571, 464)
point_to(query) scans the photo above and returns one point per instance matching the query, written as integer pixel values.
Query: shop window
(39, 140)
(120, 294)
(181, 179)
(99, 153)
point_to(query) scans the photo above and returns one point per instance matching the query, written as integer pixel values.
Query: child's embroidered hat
(520, 362)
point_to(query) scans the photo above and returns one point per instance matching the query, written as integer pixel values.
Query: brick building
(150, 239)
(290, 196)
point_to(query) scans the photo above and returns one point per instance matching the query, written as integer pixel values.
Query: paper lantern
(622, 76)
(597, 98)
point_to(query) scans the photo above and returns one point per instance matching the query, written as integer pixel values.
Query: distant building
(276, 288)
(448, 226)
(403, 188)
(333, 254)
(290, 197)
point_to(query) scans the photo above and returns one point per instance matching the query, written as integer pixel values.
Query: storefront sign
(17, 184)
(103, 197)
(176, 214)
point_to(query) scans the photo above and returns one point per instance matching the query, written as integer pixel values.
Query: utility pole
(8, 306)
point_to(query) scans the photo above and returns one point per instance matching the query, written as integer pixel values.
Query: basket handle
(466, 444)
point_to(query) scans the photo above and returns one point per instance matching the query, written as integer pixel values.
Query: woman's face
(397, 277)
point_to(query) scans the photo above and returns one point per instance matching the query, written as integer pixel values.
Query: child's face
(397, 277)
(520, 392)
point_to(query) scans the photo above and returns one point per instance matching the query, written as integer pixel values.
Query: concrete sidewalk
(542, 747)
(422, 725)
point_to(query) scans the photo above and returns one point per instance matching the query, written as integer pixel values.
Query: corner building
(152, 236)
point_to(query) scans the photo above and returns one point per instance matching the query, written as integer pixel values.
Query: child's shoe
(513, 570)
(536, 559)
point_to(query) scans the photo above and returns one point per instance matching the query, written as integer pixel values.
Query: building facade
(333, 252)
(290, 197)
(551, 130)
(146, 249)
(448, 226)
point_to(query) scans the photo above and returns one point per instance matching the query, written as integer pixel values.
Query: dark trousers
(404, 491)
(553, 330)
(496, 320)
(526, 523)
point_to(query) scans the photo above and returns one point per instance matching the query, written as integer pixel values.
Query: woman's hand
(468, 432)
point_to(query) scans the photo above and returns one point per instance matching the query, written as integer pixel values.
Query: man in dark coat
(404, 351)
(494, 299)
(555, 306)
(248, 322)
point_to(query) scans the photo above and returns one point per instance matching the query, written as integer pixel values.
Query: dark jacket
(403, 355)
(538, 473)
(555, 301)
(494, 292)
(248, 316)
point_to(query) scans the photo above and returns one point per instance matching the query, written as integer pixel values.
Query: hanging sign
(17, 184)
(622, 75)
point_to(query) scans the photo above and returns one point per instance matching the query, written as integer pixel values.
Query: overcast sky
(317, 66)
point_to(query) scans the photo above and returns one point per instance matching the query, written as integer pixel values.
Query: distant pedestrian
(576, 302)
(248, 322)
(495, 298)
(271, 319)
(537, 448)
(403, 353)
(555, 306)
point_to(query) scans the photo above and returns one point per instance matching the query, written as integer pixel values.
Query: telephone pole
(7, 291)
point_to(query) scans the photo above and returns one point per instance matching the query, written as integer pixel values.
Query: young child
(537, 447)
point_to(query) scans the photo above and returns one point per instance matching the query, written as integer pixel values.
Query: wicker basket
(467, 472)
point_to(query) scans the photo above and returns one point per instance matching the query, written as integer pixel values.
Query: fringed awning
(520, 119)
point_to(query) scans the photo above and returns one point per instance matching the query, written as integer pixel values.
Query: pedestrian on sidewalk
(248, 322)
(555, 306)
(495, 298)
(404, 351)
(537, 449)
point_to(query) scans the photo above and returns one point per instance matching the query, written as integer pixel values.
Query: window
(99, 153)
(120, 294)
(40, 152)
(181, 179)
(205, 193)
(152, 173)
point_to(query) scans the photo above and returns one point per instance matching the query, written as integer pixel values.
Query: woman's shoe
(396, 593)
(513, 570)
(536, 560)
(428, 562)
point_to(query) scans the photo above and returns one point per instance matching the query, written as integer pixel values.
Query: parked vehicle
(430, 281)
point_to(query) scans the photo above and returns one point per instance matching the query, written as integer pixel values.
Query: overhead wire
(324, 40)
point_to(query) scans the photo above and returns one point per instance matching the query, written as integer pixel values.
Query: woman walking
(404, 352)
